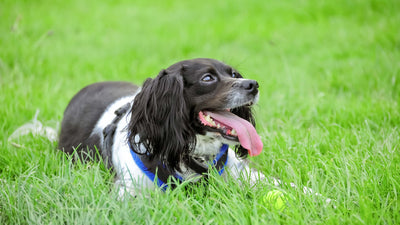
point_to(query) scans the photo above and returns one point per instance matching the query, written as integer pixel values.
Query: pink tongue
(247, 134)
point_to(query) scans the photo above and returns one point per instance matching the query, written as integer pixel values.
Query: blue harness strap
(222, 152)
(144, 169)
(159, 174)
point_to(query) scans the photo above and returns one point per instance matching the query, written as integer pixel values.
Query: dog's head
(190, 98)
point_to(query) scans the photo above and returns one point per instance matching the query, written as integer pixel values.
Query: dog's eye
(207, 78)
(234, 75)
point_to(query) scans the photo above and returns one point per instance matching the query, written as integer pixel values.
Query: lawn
(328, 115)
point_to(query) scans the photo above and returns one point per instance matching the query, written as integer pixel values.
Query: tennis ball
(276, 200)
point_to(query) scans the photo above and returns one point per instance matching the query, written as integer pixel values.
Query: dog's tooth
(210, 121)
(233, 132)
(213, 123)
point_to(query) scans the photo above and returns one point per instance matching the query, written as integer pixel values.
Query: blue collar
(160, 174)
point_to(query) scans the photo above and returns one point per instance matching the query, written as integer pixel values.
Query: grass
(328, 115)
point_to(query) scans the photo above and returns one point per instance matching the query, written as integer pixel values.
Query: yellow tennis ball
(276, 200)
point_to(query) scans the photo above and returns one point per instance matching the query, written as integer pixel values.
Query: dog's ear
(244, 112)
(160, 120)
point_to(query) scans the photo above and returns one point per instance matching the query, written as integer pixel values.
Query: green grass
(329, 114)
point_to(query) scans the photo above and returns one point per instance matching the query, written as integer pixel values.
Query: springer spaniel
(175, 127)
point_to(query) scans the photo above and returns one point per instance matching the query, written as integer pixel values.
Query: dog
(176, 127)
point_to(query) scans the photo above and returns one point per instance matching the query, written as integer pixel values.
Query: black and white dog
(176, 126)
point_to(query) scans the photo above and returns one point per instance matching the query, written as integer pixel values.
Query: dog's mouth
(225, 130)
(233, 128)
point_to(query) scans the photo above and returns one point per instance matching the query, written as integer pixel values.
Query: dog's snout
(251, 86)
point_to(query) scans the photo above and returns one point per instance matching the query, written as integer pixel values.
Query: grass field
(329, 114)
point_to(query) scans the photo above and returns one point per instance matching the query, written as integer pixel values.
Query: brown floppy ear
(160, 120)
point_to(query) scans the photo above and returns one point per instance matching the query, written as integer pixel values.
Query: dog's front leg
(240, 169)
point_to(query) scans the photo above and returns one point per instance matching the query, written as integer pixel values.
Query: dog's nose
(251, 86)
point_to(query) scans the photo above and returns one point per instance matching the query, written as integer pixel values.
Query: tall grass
(328, 113)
